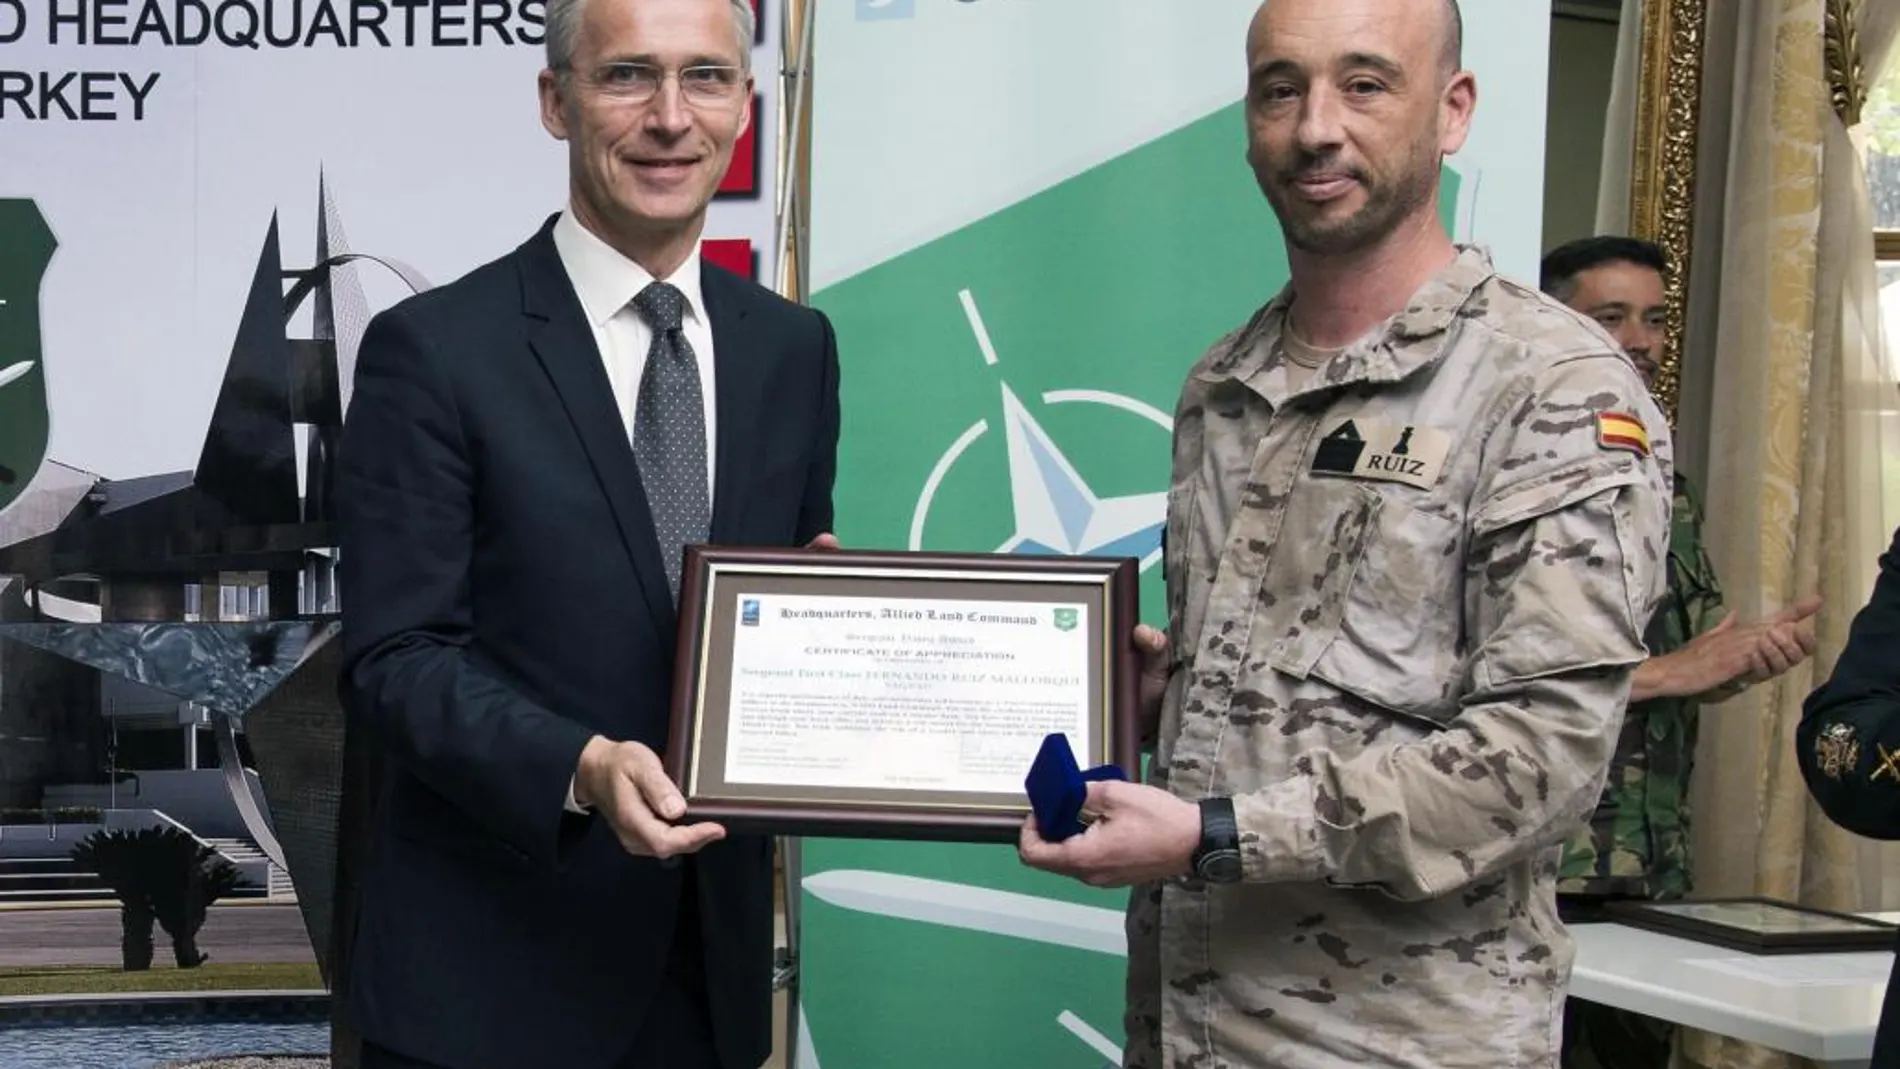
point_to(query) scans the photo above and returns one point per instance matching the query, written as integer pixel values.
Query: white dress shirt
(606, 283)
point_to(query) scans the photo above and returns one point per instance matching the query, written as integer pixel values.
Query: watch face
(1220, 866)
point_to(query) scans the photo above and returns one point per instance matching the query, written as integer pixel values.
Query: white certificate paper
(902, 694)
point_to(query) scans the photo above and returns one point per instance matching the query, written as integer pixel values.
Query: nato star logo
(1057, 513)
(1054, 510)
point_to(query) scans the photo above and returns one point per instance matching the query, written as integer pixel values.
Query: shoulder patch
(1620, 430)
(1836, 751)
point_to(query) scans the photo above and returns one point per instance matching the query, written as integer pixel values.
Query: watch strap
(1218, 856)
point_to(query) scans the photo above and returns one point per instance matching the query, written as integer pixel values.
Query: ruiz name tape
(1389, 452)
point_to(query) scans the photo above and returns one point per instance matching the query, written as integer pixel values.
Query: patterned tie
(669, 430)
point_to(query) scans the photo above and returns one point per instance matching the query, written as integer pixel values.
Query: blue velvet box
(1058, 787)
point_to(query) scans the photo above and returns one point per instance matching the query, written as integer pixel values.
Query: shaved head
(1352, 106)
(1452, 54)
(1450, 26)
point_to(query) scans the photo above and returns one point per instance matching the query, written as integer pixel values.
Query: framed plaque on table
(837, 693)
(1757, 925)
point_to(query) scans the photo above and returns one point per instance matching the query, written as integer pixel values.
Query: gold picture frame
(1663, 161)
(1674, 35)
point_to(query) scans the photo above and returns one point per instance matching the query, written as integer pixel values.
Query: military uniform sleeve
(1702, 589)
(1566, 532)
(1848, 742)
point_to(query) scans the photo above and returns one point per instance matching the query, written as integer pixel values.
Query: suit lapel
(564, 344)
(738, 357)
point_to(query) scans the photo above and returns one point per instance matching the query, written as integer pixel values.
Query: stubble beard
(1387, 205)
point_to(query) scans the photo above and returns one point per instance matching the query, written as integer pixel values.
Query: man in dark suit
(527, 452)
(1848, 745)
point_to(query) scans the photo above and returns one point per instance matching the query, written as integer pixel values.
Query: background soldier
(1637, 841)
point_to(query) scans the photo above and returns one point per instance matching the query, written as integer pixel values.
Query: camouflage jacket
(1637, 842)
(1405, 601)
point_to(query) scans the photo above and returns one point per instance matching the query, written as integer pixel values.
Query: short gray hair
(564, 27)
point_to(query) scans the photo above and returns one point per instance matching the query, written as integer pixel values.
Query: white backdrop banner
(158, 138)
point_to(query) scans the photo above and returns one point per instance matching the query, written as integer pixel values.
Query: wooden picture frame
(841, 675)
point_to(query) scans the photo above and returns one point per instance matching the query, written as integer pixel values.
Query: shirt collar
(1403, 343)
(606, 281)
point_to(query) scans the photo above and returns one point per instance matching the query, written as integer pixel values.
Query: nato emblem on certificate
(894, 695)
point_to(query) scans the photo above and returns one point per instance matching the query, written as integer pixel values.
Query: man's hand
(1730, 656)
(823, 541)
(1799, 618)
(1791, 635)
(624, 782)
(1140, 834)
(1154, 680)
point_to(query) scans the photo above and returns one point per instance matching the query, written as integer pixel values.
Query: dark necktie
(669, 430)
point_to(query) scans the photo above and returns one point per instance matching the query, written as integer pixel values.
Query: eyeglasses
(637, 83)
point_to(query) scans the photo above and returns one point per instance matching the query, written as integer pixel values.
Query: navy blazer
(503, 601)
(1848, 746)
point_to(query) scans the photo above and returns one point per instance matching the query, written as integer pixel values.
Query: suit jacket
(503, 601)
(1848, 746)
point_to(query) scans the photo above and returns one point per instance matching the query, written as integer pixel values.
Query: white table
(1819, 1006)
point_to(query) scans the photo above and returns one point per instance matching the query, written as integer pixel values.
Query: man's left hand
(1141, 834)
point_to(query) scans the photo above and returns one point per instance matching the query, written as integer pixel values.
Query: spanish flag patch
(1620, 430)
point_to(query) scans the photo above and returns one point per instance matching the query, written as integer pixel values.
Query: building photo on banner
(201, 207)
(1021, 267)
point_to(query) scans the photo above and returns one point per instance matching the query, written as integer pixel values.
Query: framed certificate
(894, 695)
(1758, 925)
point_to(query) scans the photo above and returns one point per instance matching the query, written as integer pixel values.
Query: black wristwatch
(1217, 859)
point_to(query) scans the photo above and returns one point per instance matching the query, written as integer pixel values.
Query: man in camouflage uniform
(1637, 842)
(1414, 536)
